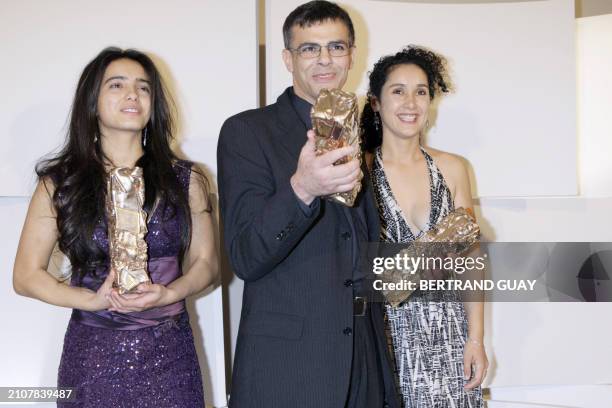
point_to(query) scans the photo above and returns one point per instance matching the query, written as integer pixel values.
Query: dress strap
(441, 199)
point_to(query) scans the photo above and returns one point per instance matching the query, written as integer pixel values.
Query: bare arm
(200, 264)
(475, 359)
(463, 198)
(38, 238)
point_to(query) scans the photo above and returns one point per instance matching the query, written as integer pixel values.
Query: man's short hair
(314, 12)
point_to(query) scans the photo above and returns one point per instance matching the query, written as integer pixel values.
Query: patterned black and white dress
(428, 331)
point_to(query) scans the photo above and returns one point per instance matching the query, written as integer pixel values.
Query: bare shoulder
(42, 198)
(199, 189)
(452, 166)
(46, 185)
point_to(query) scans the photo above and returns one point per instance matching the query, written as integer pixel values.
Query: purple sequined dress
(144, 359)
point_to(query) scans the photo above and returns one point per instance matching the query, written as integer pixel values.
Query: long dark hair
(434, 66)
(78, 174)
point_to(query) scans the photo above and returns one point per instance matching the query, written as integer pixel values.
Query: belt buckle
(359, 306)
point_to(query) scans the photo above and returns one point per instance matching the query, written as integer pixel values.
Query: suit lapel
(293, 135)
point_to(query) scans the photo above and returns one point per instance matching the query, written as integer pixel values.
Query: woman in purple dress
(136, 349)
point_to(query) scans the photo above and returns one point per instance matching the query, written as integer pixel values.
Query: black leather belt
(360, 306)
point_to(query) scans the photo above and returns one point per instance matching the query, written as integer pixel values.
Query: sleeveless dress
(428, 332)
(142, 359)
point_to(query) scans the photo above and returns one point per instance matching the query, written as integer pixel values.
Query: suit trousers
(366, 389)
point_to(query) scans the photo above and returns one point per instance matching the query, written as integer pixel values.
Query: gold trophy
(334, 120)
(455, 234)
(127, 227)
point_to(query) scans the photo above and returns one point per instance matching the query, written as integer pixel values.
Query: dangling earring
(377, 121)
(144, 137)
(96, 135)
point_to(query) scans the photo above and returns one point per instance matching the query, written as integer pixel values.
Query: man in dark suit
(308, 336)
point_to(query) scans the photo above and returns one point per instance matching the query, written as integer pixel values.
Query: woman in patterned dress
(136, 349)
(437, 339)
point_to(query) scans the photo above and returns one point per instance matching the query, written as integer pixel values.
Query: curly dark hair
(435, 67)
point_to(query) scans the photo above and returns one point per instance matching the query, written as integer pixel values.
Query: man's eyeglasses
(335, 49)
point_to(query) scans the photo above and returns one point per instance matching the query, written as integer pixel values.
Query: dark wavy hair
(78, 174)
(316, 12)
(434, 66)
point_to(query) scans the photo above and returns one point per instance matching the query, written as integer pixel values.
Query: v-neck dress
(139, 359)
(428, 332)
